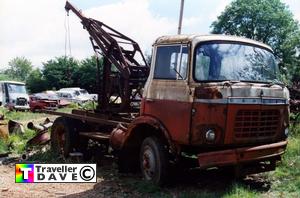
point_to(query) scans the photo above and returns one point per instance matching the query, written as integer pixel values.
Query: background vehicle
(213, 99)
(73, 96)
(52, 95)
(80, 92)
(14, 95)
(42, 101)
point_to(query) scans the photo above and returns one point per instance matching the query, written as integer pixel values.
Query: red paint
(208, 116)
(36, 103)
(241, 155)
(258, 115)
(174, 115)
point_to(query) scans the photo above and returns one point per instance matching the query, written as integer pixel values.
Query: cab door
(167, 94)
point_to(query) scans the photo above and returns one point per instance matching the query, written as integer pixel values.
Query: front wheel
(154, 161)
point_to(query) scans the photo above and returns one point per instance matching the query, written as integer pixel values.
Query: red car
(51, 95)
(42, 101)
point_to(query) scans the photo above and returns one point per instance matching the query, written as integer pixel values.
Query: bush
(3, 146)
(17, 142)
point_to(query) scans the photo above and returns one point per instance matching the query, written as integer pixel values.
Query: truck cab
(219, 98)
(13, 95)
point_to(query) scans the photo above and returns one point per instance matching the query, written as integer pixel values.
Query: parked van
(14, 95)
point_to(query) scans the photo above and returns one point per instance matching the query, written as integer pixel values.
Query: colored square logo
(24, 173)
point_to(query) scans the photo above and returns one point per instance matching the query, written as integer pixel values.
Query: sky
(36, 29)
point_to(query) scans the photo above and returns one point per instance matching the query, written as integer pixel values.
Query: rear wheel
(154, 160)
(64, 136)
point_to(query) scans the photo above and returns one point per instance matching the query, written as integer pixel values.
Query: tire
(64, 136)
(154, 161)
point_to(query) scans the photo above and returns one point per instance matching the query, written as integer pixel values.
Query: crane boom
(120, 51)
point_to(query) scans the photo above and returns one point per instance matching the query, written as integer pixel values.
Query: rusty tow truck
(214, 99)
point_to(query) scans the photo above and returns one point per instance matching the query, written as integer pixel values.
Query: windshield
(234, 62)
(83, 92)
(16, 88)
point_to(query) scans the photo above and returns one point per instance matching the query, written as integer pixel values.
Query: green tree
(5, 76)
(268, 21)
(86, 75)
(19, 68)
(60, 72)
(35, 81)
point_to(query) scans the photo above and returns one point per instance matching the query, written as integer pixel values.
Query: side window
(171, 62)
(76, 93)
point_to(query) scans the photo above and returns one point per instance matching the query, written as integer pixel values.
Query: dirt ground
(112, 184)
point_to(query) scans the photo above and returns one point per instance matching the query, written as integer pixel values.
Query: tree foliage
(86, 75)
(19, 68)
(268, 21)
(57, 73)
(35, 81)
(60, 72)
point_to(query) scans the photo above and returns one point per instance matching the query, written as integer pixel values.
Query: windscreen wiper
(178, 73)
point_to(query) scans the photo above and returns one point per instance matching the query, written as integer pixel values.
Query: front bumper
(19, 107)
(51, 108)
(241, 155)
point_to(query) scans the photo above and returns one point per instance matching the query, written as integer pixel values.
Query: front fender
(121, 136)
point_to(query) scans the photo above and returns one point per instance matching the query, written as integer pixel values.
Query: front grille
(256, 124)
(21, 101)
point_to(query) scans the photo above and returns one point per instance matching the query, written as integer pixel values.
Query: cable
(67, 36)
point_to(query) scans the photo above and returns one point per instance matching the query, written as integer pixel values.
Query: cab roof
(188, 38)
(12, 82)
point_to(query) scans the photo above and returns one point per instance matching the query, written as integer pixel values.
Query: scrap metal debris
(4, 134)
(42, 137)
(15, 127)
(4, 154)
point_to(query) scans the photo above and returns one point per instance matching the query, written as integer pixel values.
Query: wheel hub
(148, 163)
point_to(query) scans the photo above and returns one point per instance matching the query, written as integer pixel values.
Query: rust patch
(207, 93)
(239, 155)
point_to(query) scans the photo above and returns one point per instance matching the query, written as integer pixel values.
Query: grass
(286, 178)
(18, 115)
(3, 146)
(238, 190)
(86, 106)
(17, 142)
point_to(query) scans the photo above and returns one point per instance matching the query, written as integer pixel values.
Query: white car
(80, 92)
(72, 96)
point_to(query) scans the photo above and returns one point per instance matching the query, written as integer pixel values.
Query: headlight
(286, 132)
(210, 135)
